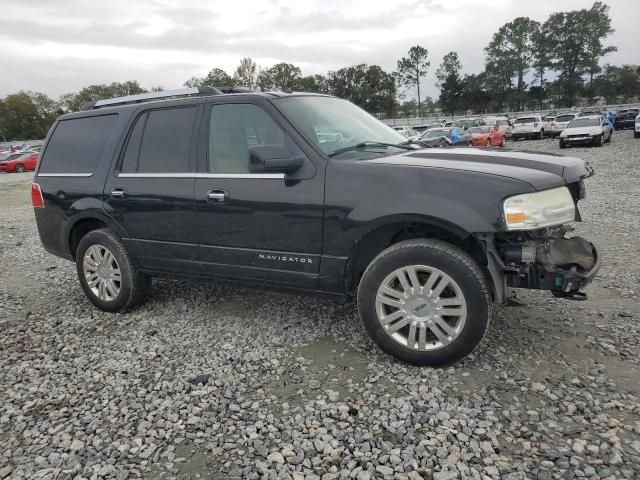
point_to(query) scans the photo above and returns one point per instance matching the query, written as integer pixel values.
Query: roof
(191, 92)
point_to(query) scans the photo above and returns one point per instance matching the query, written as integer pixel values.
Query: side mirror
(272, 159)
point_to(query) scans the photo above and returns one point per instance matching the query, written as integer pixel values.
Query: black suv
(308, 193)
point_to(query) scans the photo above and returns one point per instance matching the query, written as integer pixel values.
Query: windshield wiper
(369, 143)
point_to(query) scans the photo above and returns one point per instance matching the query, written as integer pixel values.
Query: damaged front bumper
(541, 259)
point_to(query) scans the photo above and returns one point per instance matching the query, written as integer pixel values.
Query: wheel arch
(84, 223)
(394, 229)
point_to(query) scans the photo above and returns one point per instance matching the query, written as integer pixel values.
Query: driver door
(264, 227)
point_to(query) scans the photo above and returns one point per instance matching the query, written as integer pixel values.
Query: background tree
(542, 56)
(368, 86)
(75, 101)
(450, 83)
(282, 76)
(599, 27)
(512, 48)
(215, 78)
(412, 68)
(474, 93)
(577, 36)
(246, 73)
(312, 83)
(27, 115)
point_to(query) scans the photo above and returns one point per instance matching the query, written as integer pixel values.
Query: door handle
(117, 193)
(218, 196)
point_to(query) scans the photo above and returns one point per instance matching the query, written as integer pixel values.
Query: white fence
(417, 121)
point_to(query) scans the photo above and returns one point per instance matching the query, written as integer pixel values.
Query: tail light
(553, 124)
(36, 196)
(535, 124)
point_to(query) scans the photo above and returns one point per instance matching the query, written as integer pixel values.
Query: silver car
(559, 123)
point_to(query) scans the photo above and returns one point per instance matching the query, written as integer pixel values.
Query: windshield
(437, 132)
(333, 123)
(584, 122)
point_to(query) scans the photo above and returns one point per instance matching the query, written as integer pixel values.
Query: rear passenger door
(150, 190)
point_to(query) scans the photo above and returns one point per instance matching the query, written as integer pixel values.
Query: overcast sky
(58, 46)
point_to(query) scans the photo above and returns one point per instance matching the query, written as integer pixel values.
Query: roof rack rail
(144, 97)
(239, 89)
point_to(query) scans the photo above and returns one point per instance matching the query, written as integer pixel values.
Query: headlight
(531, 211)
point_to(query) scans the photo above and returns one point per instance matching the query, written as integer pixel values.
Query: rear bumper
(516, 135)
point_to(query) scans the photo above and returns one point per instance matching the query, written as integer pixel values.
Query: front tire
(488, 144)
(598, 141)
(107, 273)
(19, 168)
(425, 302)
(541, 134)
(562, 144)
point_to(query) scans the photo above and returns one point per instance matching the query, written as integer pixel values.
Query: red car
(20, 162)
(485, 136)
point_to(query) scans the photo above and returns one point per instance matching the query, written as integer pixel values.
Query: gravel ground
(205, 381)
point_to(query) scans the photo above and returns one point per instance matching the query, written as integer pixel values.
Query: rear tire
(502, 142)
(107, 273)
(488, 144)
(427, 277)
(541, 134)
(19, 168)
(636, 134)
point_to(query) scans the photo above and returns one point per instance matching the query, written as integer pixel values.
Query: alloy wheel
(421, 307)
(102, 272)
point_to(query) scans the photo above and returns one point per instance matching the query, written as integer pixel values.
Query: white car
(532, 126)
(408, 132)
(591, 130)
(559, 123)
(636, 127)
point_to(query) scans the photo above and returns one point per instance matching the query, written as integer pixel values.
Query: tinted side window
(77, 145)
(233, 129)
(160, 142)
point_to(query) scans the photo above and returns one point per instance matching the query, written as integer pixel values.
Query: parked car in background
(636, 127)
(626, 118)
(486, 136)
(20, 162)
(502, 123)
(532, 126)
(589, 112)
(445, 137)
(559, 123)
(593, 130)
(407, 132)
(466, 123)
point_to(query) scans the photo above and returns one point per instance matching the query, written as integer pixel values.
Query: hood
(540, 170)
(581, 130)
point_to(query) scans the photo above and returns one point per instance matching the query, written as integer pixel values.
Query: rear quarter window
(77, 144)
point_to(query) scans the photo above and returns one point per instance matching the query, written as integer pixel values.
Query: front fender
(360, 197)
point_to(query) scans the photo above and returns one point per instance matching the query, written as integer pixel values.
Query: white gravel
(205, 381)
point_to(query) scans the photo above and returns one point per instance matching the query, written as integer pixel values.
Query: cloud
(56, 47)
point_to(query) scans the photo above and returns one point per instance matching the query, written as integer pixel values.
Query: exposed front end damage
(541, 259)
